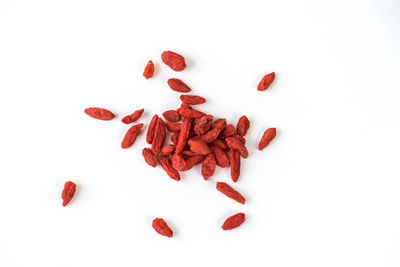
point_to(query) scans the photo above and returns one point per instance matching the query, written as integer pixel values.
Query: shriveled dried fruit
(266, 81)
(149, 157)
(178, 162)
(208, 166)
(192, 161)
(173, 127)
(220, 124)
(159, 137)
(172, 116)
(133, 117)
(167, 166)
(199, 147)
(131, 135)
(68, 192)
(175, 137)
(183, 136)
(211, 135)
(240, 138)
(221, 144)
(234, 143)
(267, 137)
(173, 60)
(234, 159)
(168, 150)
(100, 114)
(233, 221)
(220, 156)
(228, 131)
(193, 99)
(189, 153)
(178, 86)
(162, 227)
(203, 124)
(242, 126)
(190, 113)
(149, 70)
(151, 129)
(227, 190)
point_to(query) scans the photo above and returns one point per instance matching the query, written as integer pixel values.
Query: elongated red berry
(162, 227)
(235, 143)
(178, 86)
(193, 99)
(266, 81)
(149, 70)
(159, 137)
(228, 191)
(173, 60)
(267, 137)
(234, 159)
(172, 116)
(167, 166)
(151, 129)
(68, 192)
(233, 221)
(242, 126)
(100, 114)
(131, 135)
(208, 166)
(149, 157)
(133, 117)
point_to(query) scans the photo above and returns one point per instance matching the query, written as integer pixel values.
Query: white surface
(325, 193)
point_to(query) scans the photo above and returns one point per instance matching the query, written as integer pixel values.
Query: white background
(324, 193)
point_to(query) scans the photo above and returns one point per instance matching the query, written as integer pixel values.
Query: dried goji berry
(172, 116)
(167, 166)
(208, 166)
(175, 137)
(151, 129)
(189, 153)
(168, 150)
(131, 135)
(228, 131)
(220, 156)
(149, 157)
(173, 60)
(234, 159)
(240, 138)
(133, 117)
(199, 147)
(149, 70)
(173, 127)
(234, 143)
(192, 161)
(242, 126)
(266, 81)
(178, 162)
(190, 113)
(211, 135)
(230, 192)
(220, 124)
(178, 86)
(203, 124)
(100, 114)
(267, 137)
(183, 136)
(162, 227)
(221, 144)
(68, 192)
(193, 99)
(159, 137)
(233, 221)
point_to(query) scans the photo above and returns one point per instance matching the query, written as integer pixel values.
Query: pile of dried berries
(196, 138)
